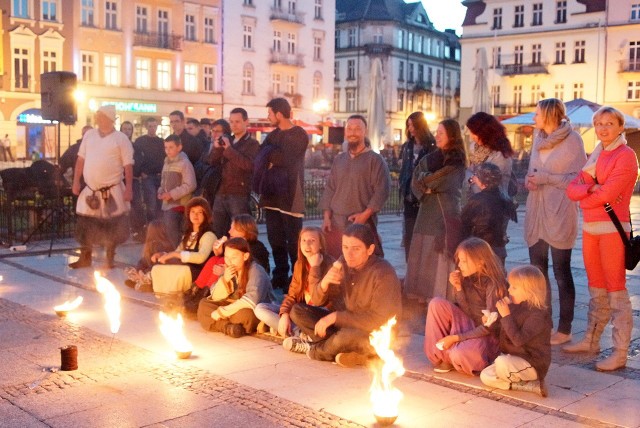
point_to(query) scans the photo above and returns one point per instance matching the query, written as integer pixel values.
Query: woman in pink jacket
(608, 176)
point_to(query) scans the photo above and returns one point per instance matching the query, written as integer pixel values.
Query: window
(317, 48)
(277, 41)
(21, 8)
(49, 61)
(208, 72)
(142, 20)
(410, 73)
(143, 73)
(21, 68)
(87, 13)
(447, 79)
(410, 102)
(291, 84)
(190, 27)
(559, 91)
(633, 91)
(560, 53)
(248, 2)
(496, 54)
(536, 94)
(536, 54)
(561, 12)
(164, 75)
(400, 106)
(336, 99)
(430, 75)
(401, 71)
(351, 69)
(634, 56)
(317, 85)
(410, 41)
(438, 77)
(112, 70)
(579, 51)
(351, 37)
(292, 6)
(49, 10)
(420, 73)
(517, 58)
(336, 71)
(427, 46)
(400, 39)
(291, 43)
(247, 37)
(537, 14)
(495, 95)
(377, 36)
(578, 90)
(277, 4)
(337, 36)
(88, 64)
(635, 12)
(190, 77)
(351, 100)
(517, 97)
(497, 19)
(419, 40)
(163, 25)
(519, 16)
(209, 27)
(275, 83)
(110, 15)
(317, 11)
(247, 79)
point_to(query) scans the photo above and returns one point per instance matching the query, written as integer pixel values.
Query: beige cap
(109, 111)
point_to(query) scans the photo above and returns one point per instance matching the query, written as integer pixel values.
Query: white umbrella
(481, 100)
(376, 110)
(580, 113)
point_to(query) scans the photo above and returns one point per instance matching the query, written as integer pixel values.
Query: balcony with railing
(519, 69)
(278, 14)
(377, 48)
(295, 60)
(629, 66)
(423, 86)
(158, 40)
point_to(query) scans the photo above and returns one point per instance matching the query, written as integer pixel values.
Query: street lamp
(321, 107)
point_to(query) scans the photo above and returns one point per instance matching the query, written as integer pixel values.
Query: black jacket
(486, 216)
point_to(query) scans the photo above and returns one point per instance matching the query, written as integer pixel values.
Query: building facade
(147, 58)
(277, 48)
(421, 66)
(547, 48)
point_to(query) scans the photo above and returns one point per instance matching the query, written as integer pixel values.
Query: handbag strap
(614, 218)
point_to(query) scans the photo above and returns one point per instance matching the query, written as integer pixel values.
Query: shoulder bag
(631, 245)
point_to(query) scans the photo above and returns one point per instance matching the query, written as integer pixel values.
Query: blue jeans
(225, 207)
(153, 205)
(282, 232)
(539, 256)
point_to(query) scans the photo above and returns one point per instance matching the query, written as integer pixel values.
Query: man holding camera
(235, 160)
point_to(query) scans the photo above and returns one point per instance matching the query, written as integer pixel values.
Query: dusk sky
(449, 16)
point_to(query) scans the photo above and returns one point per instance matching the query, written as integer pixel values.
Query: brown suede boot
(597, 319)
(622, 321)
(84, 260)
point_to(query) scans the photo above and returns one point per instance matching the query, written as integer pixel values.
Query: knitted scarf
(479, 154)
(542, 141)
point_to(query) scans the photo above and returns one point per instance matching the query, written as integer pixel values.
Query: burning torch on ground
(111, 302)
(384, 396)
(172, 330)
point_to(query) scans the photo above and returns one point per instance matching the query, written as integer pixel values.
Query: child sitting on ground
(156, 241)
(242, 226)
(312, 265)
(525, 335)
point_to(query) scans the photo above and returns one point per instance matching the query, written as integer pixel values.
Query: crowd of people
(202, 245)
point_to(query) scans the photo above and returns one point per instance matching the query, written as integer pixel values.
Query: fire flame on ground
(111, 300)
(69, 305)
(384, 396)
(172, 330)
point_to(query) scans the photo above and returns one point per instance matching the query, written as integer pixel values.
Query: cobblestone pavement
(105, 361)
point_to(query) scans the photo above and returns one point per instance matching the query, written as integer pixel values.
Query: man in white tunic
(105, 155)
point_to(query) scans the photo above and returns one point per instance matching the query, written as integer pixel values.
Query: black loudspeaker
(336, 135)
(56, 91)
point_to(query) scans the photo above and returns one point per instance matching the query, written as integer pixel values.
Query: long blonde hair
(533, 284)
(486, 261)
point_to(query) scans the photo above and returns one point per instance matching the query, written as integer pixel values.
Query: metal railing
(158, 40)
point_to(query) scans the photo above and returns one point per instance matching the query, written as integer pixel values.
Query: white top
(105, 158)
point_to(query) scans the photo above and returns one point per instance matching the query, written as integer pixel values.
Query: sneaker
(295, 344)
(558, 338)
(234, 330)
(443, 367)
(351, 359)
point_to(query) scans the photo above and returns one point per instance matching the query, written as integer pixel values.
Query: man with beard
(357, 188)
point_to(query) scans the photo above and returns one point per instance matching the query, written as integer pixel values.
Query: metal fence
(35, 218)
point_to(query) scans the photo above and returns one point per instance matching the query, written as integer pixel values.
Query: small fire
(69, 305)
(384, 396)
(172, 330)
(111, 300)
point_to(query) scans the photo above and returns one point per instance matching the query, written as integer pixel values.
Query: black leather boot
(111, 255)
(84, 260)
